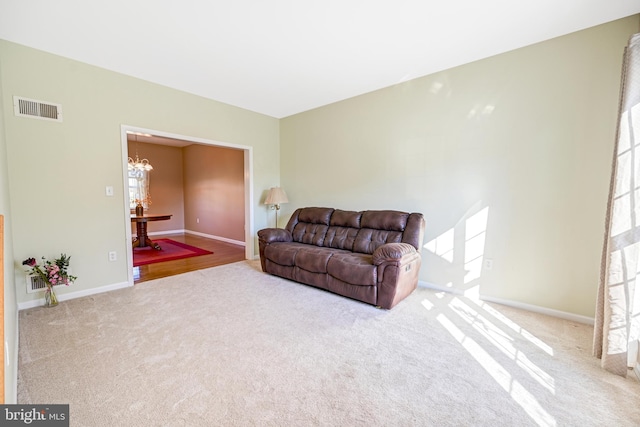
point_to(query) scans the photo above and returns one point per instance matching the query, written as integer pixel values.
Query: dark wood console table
(143, 240)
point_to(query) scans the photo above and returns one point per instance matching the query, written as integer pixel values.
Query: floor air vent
(37, 109)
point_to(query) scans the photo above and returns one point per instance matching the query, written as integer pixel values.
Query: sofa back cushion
(343, 229)
(360, 232)
(378, 228)
(309, 225)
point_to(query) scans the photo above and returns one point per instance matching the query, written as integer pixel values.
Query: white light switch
(109, 190)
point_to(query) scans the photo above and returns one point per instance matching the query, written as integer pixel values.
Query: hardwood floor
(223, 253)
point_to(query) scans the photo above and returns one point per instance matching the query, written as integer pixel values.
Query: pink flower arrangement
(51, 272)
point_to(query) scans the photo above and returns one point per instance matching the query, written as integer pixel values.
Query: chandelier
(139, 165)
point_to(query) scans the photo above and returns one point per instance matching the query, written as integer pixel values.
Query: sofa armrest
(392, 252)
(271, 235)
(398, 267)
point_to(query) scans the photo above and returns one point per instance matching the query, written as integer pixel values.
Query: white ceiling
(282, 57)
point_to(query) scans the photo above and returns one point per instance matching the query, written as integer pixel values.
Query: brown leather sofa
(370, 256)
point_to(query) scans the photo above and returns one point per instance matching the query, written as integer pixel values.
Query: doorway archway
(167, 136)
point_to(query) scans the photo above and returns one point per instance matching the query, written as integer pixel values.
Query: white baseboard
(439, 288)
(541, 310)
(515, 304)
(197, 233)
(73, 295)
(160, 233)
(211, 236)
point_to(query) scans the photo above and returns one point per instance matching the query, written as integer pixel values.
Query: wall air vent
(35, 284)
(37, 109)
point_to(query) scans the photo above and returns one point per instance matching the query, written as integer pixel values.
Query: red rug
(170, 250)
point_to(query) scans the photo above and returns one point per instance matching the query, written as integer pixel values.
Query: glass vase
(50, 298)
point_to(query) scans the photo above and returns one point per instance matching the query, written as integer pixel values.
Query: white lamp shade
(276, 196)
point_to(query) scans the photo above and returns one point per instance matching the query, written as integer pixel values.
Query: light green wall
(525, 137)
(58, 171)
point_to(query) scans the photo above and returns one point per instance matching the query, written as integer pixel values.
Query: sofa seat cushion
(314, 259)
(283, 253)
(354, 268)
(307, 257)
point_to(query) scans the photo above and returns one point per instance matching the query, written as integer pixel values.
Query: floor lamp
(275, 197)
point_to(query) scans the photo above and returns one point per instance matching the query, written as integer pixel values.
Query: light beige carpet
(232, 346)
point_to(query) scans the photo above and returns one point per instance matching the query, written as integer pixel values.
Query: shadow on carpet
(171, 250)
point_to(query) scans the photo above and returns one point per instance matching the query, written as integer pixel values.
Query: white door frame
(248, 186)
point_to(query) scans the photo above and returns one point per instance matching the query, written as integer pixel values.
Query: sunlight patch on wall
(478, 111)
(442, 245)
(475, 235)
(463, 246)
(436, 87)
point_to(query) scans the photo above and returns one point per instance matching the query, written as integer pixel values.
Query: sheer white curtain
(617, 323)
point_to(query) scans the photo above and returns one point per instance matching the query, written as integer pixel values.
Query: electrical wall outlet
(113, 256)
(488, 264)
